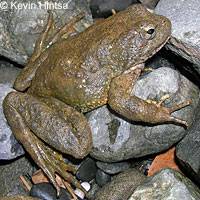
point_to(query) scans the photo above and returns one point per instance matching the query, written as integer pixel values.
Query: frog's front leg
(135, 108)
(36, 121)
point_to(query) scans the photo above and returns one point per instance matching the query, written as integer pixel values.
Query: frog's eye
(148, 32)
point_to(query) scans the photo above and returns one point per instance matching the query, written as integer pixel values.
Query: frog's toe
(53, 165)
(165, 113)
(179, 121)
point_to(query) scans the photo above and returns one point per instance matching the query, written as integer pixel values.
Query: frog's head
(144, 34)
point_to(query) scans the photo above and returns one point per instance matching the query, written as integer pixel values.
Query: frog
(70, 74)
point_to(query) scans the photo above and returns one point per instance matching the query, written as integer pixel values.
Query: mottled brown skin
(68, 76)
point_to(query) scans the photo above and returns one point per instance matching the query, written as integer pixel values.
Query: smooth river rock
(166, 184)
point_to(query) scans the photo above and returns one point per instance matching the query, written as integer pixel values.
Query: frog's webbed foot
(48, 36)
(170, 110)
(36, 122)
(52, 165)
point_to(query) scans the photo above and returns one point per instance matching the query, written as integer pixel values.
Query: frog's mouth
(157, 49)
(141, 64)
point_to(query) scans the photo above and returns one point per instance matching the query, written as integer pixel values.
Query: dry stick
(28, 187)
(113, 11)
(67, 185)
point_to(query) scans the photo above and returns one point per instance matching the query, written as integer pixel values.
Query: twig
(67, 185)
(28, 187)
(113, 11)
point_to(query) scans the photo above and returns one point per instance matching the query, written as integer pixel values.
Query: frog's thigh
(48, 121)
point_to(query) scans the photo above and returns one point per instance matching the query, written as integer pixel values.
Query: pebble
(113, 168)
(87, 170)
(79, 192)
(46, 191)
(102, 178)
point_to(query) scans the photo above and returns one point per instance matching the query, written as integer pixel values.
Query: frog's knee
(82, 149)
(9, 100)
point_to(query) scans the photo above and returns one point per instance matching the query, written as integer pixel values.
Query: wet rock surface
(166, 184)
(116, 139)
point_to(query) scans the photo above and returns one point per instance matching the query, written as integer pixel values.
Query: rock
(122, 186)
(102, 8)
(9, 147)
(94, 188)
(87, 170)
(8, 73)
(10, 171)
(20, 27)
(46, 191)
(102, 178)
(149, 3)
(166, 184)
(113, 168)
(184, 16)
(115, 139)
(188, 150)
(79, 193)
(18, 197)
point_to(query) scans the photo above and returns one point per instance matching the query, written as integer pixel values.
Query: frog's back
(78, 70)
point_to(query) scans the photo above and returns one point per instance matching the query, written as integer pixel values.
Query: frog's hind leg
(37, 122)
(49, 36)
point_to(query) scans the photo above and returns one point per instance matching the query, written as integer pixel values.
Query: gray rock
(94, 188)
(166, 184)
(102, 8)
(122, 186)
(47, 191)
(20, 27)
(8, 73)
(10, 171)
(102, 178)
(113, 168)
(87, 170)
(188, 150)
(185, 18)
(149, 3)
(115, 139)
(9, 147)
